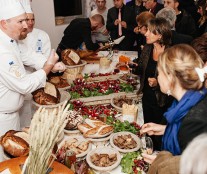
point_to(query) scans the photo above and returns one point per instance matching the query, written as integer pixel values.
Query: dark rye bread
(42, 97)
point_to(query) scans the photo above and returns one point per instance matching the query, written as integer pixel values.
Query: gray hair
(193, 159)
(169, 14)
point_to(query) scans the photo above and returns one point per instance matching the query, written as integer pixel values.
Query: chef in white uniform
(37, 39)
(14, 82)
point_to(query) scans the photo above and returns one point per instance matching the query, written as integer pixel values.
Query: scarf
(174, 116)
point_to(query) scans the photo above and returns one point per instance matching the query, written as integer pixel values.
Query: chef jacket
(39, 41)
(14, 82)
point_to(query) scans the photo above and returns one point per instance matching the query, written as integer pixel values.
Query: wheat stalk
(44, 131)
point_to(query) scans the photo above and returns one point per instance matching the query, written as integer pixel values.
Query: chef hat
(10, 9)
(27, 6)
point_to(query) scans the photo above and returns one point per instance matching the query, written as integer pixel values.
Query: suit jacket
(127, 15)
(178, 38)
(157, 8)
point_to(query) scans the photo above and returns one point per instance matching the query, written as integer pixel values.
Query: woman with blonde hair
(181, 74)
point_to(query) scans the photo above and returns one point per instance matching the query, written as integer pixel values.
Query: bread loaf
(16, 143)
(70, 57)
(47, 96)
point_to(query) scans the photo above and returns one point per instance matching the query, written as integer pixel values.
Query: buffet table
(95, 68)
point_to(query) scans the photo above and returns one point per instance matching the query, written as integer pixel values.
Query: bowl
(103, 150)
(119, 109)
(72, 132)
(135, 137)
(64, 96)
(80, 140)
(124, 77)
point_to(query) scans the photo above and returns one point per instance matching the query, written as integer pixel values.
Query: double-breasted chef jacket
(14, 82)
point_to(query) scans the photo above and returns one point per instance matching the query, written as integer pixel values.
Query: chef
(37, 39)
(14, 82)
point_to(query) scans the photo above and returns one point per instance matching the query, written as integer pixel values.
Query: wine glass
(147, 145)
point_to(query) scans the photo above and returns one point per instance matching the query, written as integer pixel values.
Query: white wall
(45, 18)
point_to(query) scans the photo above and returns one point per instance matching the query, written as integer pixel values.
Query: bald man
(79, 31)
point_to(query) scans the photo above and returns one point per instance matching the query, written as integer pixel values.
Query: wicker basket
(71, 72)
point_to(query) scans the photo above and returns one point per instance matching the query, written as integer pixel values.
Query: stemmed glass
(147, 145)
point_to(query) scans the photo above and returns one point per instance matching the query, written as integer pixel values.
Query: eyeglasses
(140, 27)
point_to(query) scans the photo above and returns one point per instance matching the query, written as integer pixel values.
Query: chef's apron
(8, 122)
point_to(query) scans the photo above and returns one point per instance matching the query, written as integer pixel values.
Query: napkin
(6, 171)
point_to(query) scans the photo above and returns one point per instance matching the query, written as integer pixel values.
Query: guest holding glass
(181, 75)
(158, 38)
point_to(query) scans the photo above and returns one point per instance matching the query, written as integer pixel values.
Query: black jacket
(185, 24)
(178, 38)
(77, 32)
(193, 124)
(127, 15)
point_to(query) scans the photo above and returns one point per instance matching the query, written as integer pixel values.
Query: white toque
(10, 9)
(201, 73)
(27, 5)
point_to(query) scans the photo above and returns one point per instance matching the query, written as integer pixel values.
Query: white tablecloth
(94, 68)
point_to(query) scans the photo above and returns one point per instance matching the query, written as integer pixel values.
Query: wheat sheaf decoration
(45, 129)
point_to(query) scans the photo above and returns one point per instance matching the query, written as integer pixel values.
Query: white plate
(80, 139)
(72, 132)
(100, 141)
(135, 137)
(104, 150)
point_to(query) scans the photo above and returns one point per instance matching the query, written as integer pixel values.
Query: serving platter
(135, 137)
(103, 150)
(80, 139)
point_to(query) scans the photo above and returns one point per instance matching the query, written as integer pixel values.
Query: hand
(58, 67)
(123, 24)
(105, 32)
(153, 129)
(136, 30)
(152, 82)
(149, 158)
(53, 58)
(116, 22)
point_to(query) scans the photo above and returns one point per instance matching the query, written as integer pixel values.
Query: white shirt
(14, 82)
(39, 41)
(98, 35)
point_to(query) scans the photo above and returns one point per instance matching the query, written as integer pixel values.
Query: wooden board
(14, 166)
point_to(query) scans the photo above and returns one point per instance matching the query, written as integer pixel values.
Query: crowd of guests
(171, 41)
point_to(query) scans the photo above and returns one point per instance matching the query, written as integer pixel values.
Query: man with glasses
(152, 6)
(102, 34)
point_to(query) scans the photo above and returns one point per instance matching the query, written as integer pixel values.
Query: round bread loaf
(14, 144)
(49, 95)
